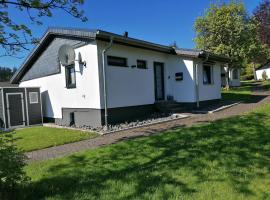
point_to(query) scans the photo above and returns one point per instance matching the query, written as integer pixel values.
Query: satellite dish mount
(66, 55)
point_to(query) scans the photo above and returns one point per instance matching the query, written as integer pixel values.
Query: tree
(15, 36)
(6, 73)
(12, 162)
(262, 16)
(256, 53)
(223, 30)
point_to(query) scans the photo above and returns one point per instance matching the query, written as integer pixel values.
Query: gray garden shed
(20, 107)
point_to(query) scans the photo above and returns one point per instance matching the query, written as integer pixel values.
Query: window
(70, 77)
(207, 74)
(179, 76)
(141, 64)
(117, 61)
(235, 74)
(33, 97)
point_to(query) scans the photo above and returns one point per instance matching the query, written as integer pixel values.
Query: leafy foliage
(256, 52)
(6, 73)
(227, 29)
(223, 30)
(11, 167)
(262, 16)
(15, 36)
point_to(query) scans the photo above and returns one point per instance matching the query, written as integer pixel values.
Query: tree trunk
(227, 78)
(254, 72)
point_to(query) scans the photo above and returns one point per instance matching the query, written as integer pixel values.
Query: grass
(33, 138)
(242, 93)
(266, 84)
(226, 159)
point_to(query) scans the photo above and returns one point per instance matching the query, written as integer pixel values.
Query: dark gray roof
(190, 52)
(7, 84)
(105, 36)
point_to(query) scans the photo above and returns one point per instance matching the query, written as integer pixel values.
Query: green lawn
(38, 137)
(266, 84)
(228, 159)
(242, 93)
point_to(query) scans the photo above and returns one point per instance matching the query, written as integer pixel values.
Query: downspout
(197, 86)
(197, 78)
(105, 82)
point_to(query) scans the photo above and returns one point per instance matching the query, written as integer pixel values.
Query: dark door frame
(162, 79)
(8, 109)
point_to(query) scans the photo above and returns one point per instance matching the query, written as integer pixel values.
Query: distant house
(263, 69)
(138, 74)
(233, 74)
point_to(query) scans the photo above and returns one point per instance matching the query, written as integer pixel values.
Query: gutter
(105, 81)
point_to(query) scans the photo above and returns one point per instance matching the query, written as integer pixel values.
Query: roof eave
(119, 39)
(210, 56)
(49, 33)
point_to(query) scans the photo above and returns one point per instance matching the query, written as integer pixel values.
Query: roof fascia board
(105, 36)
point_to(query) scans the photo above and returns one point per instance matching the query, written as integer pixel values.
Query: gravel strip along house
(115, 78)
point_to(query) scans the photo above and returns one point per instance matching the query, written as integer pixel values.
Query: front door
(15, 107)
(159, 81)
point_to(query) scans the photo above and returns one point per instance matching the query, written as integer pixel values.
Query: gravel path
(259, 98)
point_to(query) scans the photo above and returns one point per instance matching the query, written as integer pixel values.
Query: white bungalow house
(137, 75)
(233, 74)
(263, 69)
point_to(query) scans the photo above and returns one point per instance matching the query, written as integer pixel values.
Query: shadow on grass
(244, 94)
(245, 98)
(177, 162)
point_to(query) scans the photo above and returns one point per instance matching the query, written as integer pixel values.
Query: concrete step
(170, 107)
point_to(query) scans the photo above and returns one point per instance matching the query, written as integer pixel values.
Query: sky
(158, 21)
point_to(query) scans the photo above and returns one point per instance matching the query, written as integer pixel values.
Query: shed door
(15, 107)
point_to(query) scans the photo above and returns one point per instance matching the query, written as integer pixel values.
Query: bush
(12, 162)
(264, 76)
(247, 77)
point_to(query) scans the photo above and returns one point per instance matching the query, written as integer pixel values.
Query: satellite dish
(66, 55)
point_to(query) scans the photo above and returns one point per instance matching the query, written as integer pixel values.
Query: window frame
(144, 61)
(70, 85)
(30, 99)
(211, 74)
(125, 64)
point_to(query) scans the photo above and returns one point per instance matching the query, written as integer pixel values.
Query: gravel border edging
(145, 125)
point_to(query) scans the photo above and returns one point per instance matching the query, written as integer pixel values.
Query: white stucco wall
(182, 91)
(129, 86)
(210, 91)
(259, 73)
(234, 82)
(55, 94)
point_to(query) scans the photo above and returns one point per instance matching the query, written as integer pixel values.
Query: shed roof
(264, 66)
(94, 34)
(7, 84)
